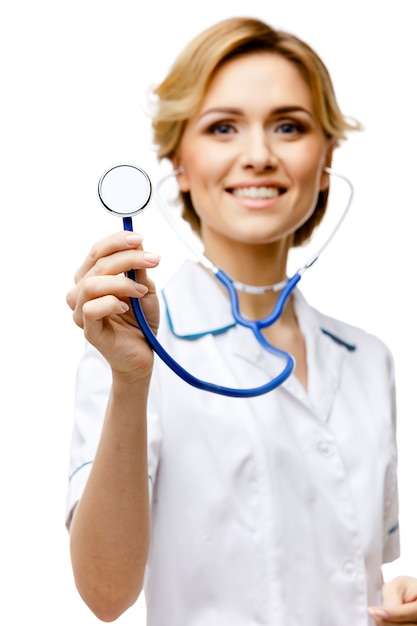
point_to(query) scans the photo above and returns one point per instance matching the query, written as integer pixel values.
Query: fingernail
(141, 288)
(124, 307)
(152, 258)
(377, 612)
(133, 239)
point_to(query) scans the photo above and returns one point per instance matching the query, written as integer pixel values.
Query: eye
(289, 128)
(221, 128)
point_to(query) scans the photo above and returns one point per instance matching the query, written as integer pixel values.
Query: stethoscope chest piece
(125, 190)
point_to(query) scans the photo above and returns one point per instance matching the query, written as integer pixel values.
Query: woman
(278, 509)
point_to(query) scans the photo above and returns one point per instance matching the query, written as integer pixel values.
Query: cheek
(202, 169)
(309, 167)
(194, 163)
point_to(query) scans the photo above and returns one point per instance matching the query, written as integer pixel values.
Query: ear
(325, 177)
(182, 178)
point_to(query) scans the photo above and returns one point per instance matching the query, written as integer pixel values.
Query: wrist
(136, 382)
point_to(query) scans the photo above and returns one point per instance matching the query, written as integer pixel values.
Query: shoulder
(357, 341)
(355, 336)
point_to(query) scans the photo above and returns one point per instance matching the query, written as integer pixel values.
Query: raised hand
(100, 301)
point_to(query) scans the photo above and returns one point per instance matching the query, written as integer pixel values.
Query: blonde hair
(180, 94)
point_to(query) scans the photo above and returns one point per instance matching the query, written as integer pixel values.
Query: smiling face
(253, 156)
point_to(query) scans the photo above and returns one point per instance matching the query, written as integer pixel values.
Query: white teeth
(256, 192)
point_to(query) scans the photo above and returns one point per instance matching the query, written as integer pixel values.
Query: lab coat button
(325, 448)
(349, 568)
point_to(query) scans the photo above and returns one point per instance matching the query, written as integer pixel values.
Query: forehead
(260, 77)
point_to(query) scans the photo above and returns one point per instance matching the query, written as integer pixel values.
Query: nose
(257, 152)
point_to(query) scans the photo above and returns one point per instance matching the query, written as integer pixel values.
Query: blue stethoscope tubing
(255, 326)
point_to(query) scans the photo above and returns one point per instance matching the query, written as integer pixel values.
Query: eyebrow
(277, 111)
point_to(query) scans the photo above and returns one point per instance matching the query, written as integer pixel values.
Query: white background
(72, 79)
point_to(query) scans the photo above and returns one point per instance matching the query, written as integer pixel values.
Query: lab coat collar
(203, 309)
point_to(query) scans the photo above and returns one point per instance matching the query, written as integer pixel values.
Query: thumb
(400, 614)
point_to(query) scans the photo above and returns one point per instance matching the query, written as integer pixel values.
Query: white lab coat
(275, 510)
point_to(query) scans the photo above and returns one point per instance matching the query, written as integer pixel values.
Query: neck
(259, 306)
(258, 273)
(258, 289)
(255, 269)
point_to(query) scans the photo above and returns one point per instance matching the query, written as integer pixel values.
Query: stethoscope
(125, 191)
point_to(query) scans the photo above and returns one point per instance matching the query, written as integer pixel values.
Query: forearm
(110, 529)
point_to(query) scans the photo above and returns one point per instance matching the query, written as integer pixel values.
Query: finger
(399, 591)
(379, 622)
(100, 308)
(109, 245)
(123, 262)
(120, 286)
(386, 615)
(90, 287)
(378, 614)
(404, 614)
(96, 287)
(94, 312)
(106, 301)
(392, 593)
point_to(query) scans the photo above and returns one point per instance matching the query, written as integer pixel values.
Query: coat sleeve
(391, 509)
